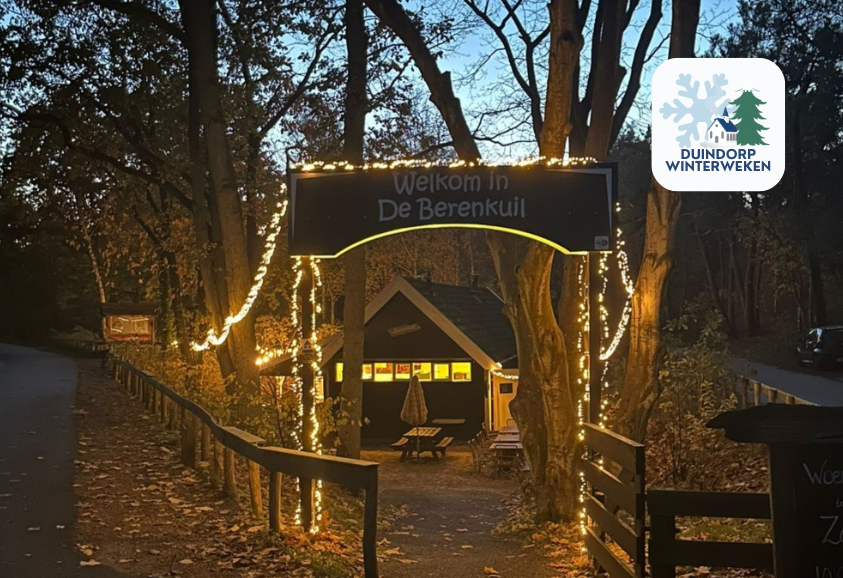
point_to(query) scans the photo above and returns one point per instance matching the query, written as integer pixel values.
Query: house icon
(722, 132)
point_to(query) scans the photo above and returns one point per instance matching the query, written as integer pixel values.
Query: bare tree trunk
(95, 268)
(199, 19)
(354, 305)
(641, 382)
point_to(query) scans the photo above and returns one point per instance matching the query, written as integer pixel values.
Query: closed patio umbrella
(414, 411)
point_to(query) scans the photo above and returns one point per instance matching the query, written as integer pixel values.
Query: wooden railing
(614, 471)
(223, 444)
(86, 345)
(666, 552)
(751, 393)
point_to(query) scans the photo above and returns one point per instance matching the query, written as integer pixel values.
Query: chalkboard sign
(806, 482)
(817, 501)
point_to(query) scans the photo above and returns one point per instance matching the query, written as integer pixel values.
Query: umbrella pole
(418, 453)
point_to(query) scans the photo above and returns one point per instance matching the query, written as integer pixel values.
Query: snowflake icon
(701, 110)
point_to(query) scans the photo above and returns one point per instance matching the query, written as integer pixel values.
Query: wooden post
(206, 443)
(370, 529)
(663, 532)
(772, 395)
(156, 399)
(255, 490)
(175, 409)
(188, 439)
(744, 393)
(218, 464)
(230, 480)
(275, 501)
(806, 457)
(162, 407)
(756, 393)
(307, 487)
(595, 372)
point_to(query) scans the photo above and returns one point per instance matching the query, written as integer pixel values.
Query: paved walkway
(821, 388)
(37, 449)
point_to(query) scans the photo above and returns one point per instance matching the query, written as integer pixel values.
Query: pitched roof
(726, 124)
(477, 312)
(472, 317)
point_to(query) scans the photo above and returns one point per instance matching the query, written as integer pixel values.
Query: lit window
(383, 372)
(423, 370)
(461, 371)
(442, 371)
(402, 371)
(367, 371)
(339, 371)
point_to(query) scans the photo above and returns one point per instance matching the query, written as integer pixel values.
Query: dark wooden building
(130, 321)
(452, 337)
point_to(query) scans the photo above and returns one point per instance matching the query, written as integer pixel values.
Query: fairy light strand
(216, 339)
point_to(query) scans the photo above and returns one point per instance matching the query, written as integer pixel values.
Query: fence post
(162, 406)
(744, 393)
(662, 534)
(218, 464)
(370, 529)
(188, 438)
(228, 467)
(773, 395)
(206, 443)
(756, 393)
(174, 413)
(275, 501)
(255, 490)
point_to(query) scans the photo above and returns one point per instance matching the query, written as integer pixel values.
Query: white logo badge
(718, 124)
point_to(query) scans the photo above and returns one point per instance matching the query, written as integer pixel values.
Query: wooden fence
(609, 496)
(752, 393)
(85, 345)
(220, 445)
(666, 552)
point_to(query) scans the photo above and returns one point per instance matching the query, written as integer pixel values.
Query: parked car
(822, 347)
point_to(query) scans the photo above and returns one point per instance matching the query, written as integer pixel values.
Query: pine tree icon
(747, 115)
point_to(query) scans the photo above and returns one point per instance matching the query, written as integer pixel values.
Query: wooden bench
(442, 445)
(400, 444)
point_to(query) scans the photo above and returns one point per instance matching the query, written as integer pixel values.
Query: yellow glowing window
(461, 371)
(367, 371)
(441, 371)
(383, 372)
(402, 371)
(423, 370)
(339, 371)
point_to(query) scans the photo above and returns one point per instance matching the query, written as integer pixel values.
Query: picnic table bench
(423, 439)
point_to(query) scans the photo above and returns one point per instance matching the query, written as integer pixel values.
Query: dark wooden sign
(571, 209)
(806, 482)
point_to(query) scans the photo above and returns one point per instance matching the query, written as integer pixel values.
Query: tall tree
(354, 305)
(646, 351)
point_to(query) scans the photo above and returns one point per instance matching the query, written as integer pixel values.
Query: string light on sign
(214, 339)
(416, 163)
(629, 287)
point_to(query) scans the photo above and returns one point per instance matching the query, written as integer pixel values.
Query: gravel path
(448, 532)
(37, 449)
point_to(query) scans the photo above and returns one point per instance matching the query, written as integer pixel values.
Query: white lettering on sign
(407, 183)
(427, 209)
(824, 477)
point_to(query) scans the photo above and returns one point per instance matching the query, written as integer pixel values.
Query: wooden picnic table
(506, 449)
(424, 439)
(508, 438)
(448, 421)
